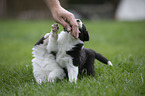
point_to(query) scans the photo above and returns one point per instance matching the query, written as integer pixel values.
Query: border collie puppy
(74, 57)
(45, 67)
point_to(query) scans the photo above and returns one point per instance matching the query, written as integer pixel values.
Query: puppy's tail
(101, 58)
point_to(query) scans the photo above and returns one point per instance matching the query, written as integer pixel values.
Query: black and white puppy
(45, 67)
(74, 57)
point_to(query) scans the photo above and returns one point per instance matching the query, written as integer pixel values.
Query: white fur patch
(109, 63)
(45, 67)
(72, 73)
(65, 43)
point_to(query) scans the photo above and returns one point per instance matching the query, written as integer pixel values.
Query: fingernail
(68, 29)
(77, 36)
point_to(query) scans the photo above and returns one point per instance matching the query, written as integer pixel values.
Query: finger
(64, 24)
(75, 29)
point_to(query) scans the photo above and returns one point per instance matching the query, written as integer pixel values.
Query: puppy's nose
(78, 20)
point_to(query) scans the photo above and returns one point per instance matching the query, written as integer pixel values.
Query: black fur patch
(84, 35)
(40, 41)
(101, 58)
(75, 54)
(87, 61)
(84, 58)
(65, 71)
(53, 53)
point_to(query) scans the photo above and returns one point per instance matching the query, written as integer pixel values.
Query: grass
(123, 43)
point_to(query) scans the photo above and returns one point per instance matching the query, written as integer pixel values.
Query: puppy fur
(55, 52)
(74, 57)
(45, 67)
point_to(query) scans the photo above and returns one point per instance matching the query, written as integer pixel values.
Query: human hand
(65, 18)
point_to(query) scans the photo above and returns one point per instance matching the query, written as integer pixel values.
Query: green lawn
(123, 43)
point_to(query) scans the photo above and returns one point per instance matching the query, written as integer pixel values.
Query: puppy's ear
(40, 41)
(84, 35)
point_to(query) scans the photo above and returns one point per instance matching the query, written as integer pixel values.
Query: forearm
(53, 4)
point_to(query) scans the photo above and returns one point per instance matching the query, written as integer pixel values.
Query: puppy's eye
(78, 20)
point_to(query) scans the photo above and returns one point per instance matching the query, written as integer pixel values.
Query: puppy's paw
(39, 81)
(73, 79)
(55, 27)
(73, 74)
(51, 80)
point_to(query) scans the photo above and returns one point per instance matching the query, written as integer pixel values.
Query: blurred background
(116, 29)
(83, 9)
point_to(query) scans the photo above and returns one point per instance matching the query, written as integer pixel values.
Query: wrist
(55, 8)
(53, 5)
